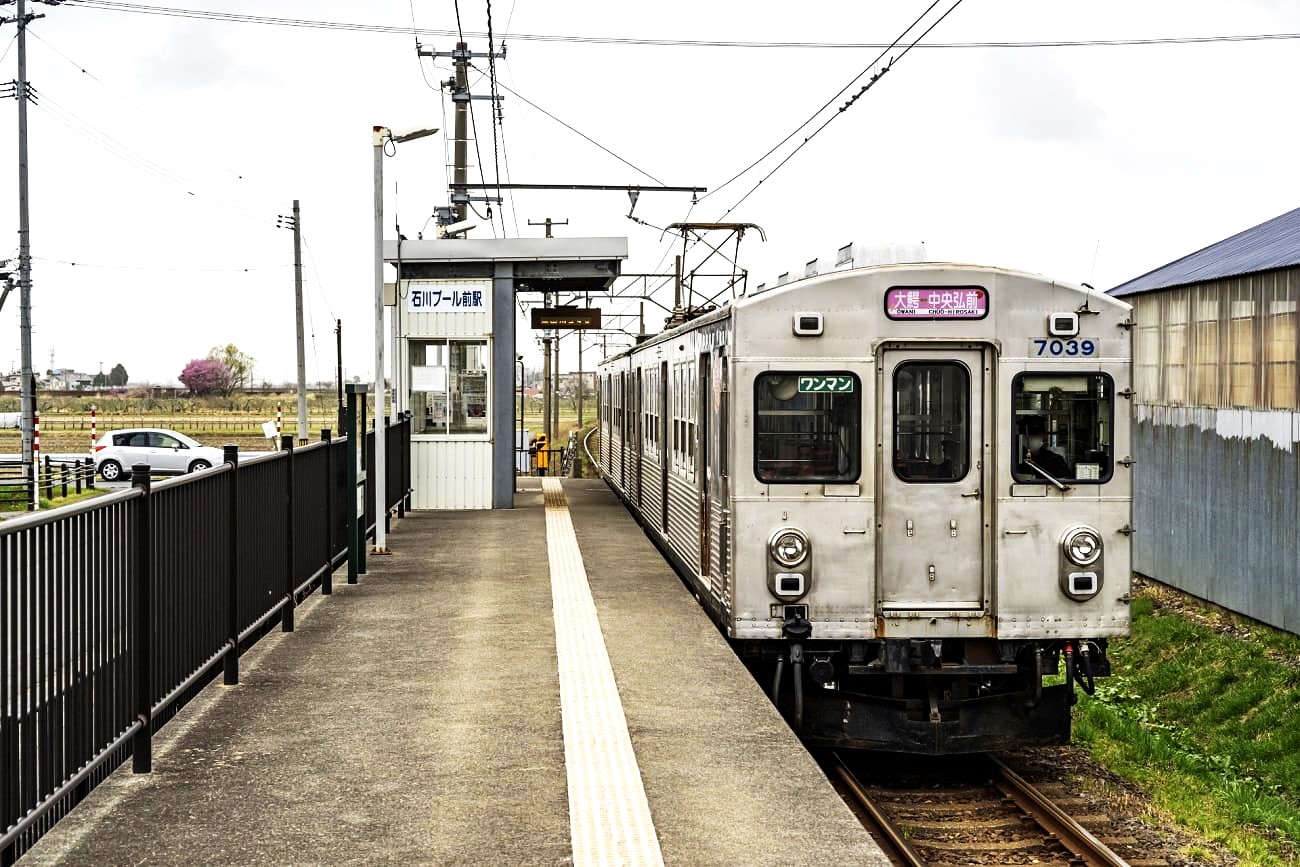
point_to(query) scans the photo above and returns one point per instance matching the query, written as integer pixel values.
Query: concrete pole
(579, 380)
(302, 352)
(546, 388)
(27, 388)
(460, 172)
(555, 388)
(381, 496)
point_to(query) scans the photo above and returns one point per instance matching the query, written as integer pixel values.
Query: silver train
(903, 492)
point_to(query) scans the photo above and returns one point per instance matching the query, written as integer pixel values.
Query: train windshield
(807, 427)
(1063, 427)
(931, 421)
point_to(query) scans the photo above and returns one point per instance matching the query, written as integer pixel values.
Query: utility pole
(338, 371)
(460, 97)
(555, 387)
(460, 172)
(297, 300)
(27, 388)
(546, 385)
(580, 389)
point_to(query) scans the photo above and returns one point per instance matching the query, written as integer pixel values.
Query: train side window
(931, 421)
(807, 427)
(1063, 426)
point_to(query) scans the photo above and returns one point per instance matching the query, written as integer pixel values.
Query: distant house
(1215, 355)
(67, 379)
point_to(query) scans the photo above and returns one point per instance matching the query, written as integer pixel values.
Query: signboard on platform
(566, 317)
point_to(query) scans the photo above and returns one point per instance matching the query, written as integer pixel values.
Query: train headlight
(789, 547)
(1081, 546)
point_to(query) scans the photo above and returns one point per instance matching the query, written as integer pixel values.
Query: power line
(827, 103)
(319, 283)
(208, 15)
(494, 108)
(875, 77)
(175, 132)
(93, 134)
(154, 268)
(578, 132)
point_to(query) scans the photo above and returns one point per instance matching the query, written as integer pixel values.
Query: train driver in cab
(1034, 437)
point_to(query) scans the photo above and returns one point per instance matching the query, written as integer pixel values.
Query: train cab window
(1063, 427)
(808, 427)
(931, 421)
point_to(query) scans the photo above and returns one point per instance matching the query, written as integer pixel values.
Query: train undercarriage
(927, 696)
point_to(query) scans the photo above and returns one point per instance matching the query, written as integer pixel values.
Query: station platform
(532, 686)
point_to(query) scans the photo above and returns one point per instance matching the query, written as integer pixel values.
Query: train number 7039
(1043, 346)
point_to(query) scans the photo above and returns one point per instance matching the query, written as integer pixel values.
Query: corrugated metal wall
(1215, 506)
(1217, 478)
(450, 474)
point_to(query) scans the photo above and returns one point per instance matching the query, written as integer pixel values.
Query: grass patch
(1203, 711)
(52, 503)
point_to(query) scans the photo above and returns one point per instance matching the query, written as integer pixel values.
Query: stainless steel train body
(903, 492)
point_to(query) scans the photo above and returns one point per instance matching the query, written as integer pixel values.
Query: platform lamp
(382, 137)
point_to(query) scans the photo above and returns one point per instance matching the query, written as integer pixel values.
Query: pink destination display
(936, 302)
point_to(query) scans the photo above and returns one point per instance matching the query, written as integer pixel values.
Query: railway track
(989, 816)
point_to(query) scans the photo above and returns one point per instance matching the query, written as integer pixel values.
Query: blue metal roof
(1272, 244)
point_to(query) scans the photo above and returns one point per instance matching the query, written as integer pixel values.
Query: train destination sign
(825, 384)
(566, 317)
(936, 302)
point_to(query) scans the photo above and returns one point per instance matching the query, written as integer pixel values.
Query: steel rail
(893, 836)
(600, 474)
(1080, 842)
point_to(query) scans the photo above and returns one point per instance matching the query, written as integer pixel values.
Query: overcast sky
(170, 156)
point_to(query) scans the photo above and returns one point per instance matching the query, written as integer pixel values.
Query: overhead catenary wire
(875, 77)
(827, 104)
(211, 15)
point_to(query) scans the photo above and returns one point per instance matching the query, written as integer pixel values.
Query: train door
(665, 415)
(719, 493)
(622, 432)
(639, 438)
(933, 503)
(703, 466)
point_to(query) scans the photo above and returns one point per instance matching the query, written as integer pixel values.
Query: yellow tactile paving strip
(609, 817)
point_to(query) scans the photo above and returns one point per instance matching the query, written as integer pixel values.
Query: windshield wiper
(1029, 462)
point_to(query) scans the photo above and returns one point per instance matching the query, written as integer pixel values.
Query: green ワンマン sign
(825, 384)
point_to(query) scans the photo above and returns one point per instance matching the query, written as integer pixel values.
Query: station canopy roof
(1270, 245)
(538, 264)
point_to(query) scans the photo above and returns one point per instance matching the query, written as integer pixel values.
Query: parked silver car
(165, 451)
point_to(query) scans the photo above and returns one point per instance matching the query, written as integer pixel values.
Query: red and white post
(279, 420)
(36, 458)
(93, 437)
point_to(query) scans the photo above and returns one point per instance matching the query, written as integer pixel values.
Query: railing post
(401, 458)
(63, 477)
(327, 580)
(77, 473)
(231, 456)
(90, 474)
(49, 480)
(142, 623)
(406, 466)
(286, 614)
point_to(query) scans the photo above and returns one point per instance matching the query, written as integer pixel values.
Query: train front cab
(998, 549)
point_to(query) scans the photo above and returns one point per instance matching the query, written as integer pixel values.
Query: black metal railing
(114, 612)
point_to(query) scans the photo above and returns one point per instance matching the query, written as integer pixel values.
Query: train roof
(774, 293)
